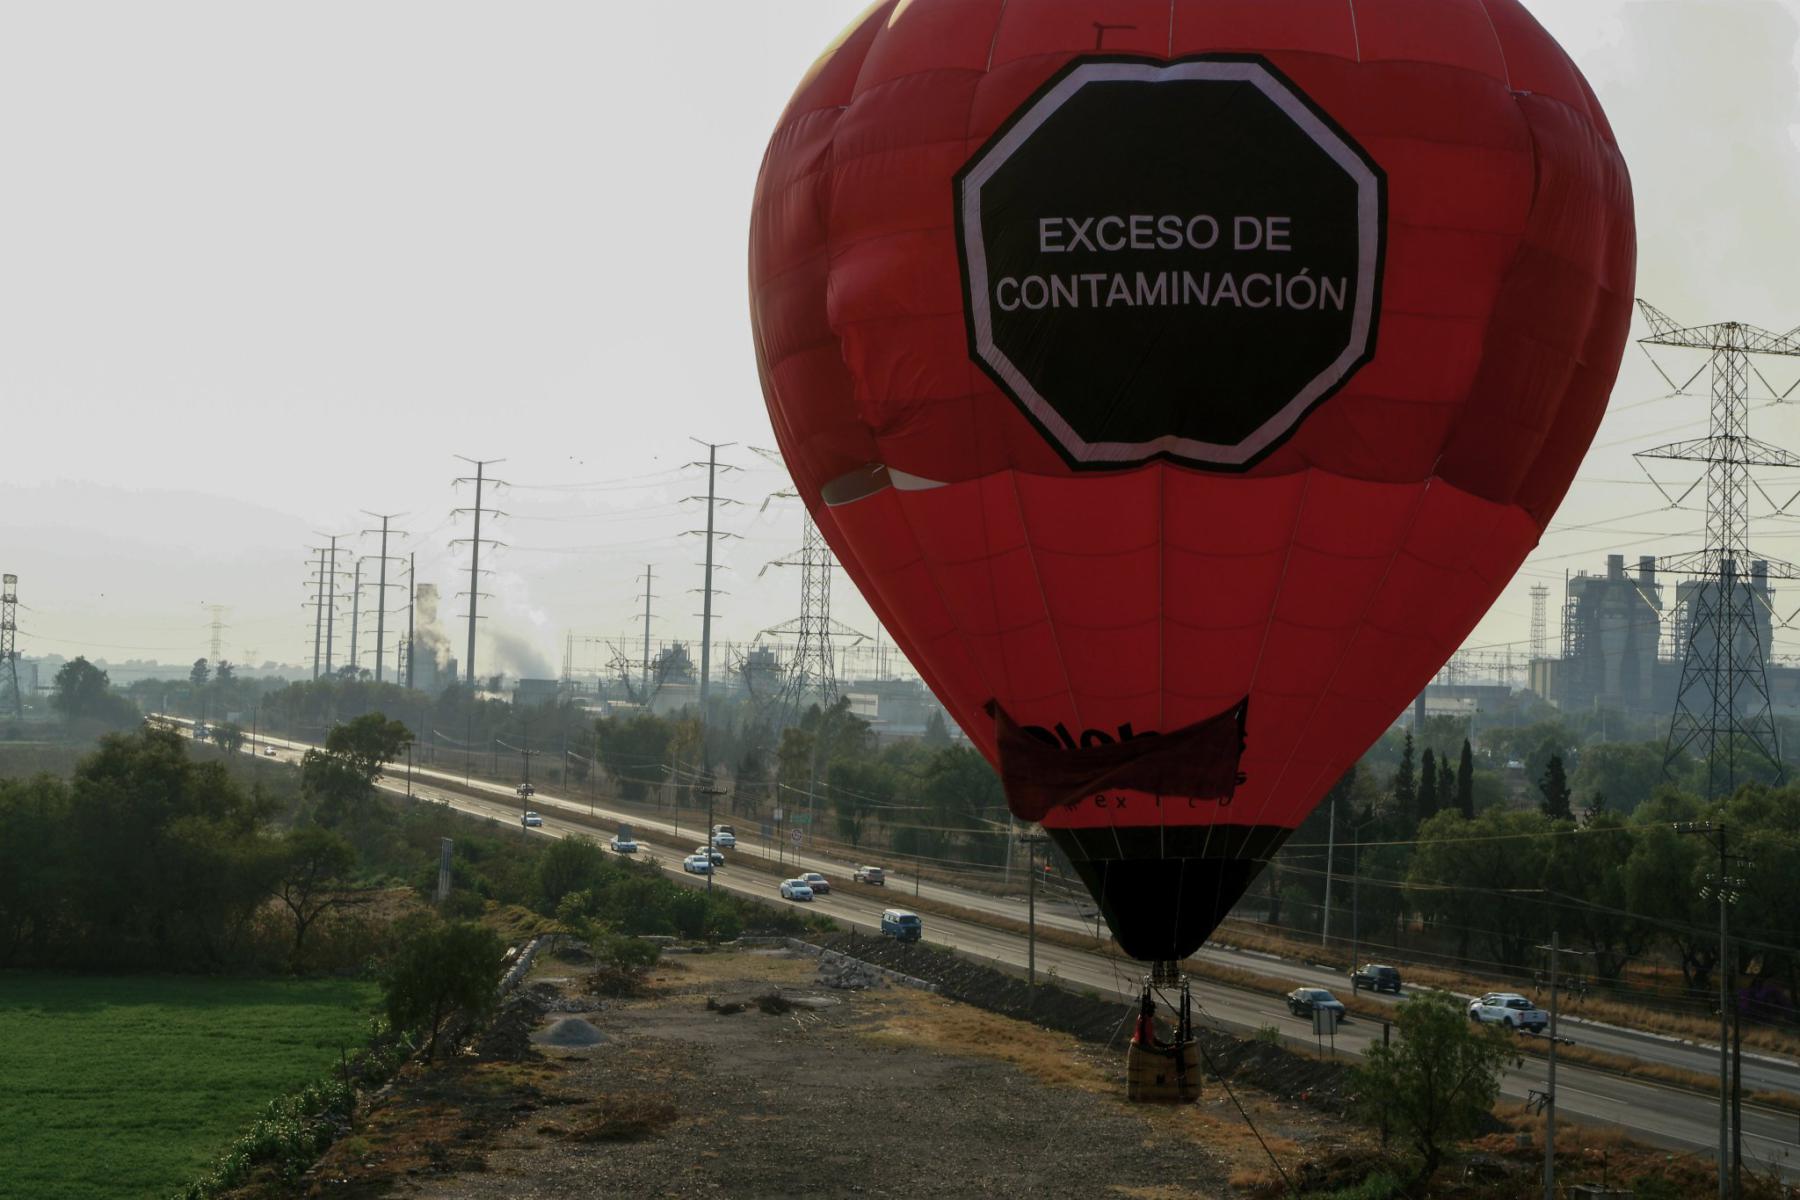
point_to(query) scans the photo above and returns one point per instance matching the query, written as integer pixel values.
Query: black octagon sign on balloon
(1170, 260)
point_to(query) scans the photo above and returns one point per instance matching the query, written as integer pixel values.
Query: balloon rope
(1223, 1082)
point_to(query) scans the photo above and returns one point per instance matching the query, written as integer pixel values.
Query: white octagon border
(1369, 219)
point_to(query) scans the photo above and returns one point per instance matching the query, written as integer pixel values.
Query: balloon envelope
(1180, 381)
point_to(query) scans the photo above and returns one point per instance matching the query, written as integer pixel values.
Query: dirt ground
(886, 1092)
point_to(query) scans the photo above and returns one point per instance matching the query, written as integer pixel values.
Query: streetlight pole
(1727, 887)
(1330, 852)
(1556, 951)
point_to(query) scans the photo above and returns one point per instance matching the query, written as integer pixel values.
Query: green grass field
(115, 1087)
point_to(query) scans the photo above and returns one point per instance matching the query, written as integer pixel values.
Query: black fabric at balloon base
(1164, 891)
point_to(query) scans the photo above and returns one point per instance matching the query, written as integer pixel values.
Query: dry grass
(616, 1119)
(1059, 1060)
(1054, 1059)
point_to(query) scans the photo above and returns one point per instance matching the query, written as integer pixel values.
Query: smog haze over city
(267, 269)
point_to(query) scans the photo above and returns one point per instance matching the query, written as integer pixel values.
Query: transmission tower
(1722, 705)
(812, 672)
(218, 632)
(9, 651)
(381, 588)
(475, 543)
(1540, 629)
(649, 578)
(712, 533)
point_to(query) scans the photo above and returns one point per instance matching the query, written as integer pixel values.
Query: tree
(1466, 876)
(1439, 1079)
(1555, 787)
(633, 750)
(224, 672)
(1626, 773)
(170, 869)
(84, 693)
(1428, 786)
(227, 736)
(199, 675)
(441, 967)
(573, 864)
(1465, 783)
(341, 778)
(1446, 788)
(937, 733)
(312, 867)
(859, 789)
(1404, 790)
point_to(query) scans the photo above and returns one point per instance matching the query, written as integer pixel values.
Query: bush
(1439, 1078)
(437, 968)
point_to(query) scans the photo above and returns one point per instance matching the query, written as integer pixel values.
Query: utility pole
(1030, 842)
(381, 589)
(1727, 887)
(9, 630)
(649, 578)
(712, 793)
(331, 572)
(412, 596)
(711, 533)
(479, 479)
(318, 607)
(1556, 951)
(355, 617)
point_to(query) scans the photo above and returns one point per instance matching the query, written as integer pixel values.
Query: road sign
(798, 837)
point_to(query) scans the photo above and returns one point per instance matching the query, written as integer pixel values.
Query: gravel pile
(569, 1031)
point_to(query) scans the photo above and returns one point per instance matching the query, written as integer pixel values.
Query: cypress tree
(1405, 791)
(1428, 786)
(1555, 786)
(1465, 783)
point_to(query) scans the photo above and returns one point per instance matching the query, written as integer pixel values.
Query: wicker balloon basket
(1165, 1074)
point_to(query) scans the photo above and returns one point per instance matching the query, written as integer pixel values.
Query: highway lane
(1761, 1071)
(1659, 1114)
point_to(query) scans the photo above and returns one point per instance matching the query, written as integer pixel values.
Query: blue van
(901, 925)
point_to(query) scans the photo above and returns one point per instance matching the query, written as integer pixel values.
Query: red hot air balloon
(1181, 380)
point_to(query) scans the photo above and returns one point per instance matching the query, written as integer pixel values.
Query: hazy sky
(263, 267)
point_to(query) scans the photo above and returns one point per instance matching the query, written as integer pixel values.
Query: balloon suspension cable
(1236, 1103)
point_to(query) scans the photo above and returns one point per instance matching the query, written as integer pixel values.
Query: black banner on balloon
(1170, 260)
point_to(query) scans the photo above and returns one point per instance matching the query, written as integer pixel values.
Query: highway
(1653, 1112)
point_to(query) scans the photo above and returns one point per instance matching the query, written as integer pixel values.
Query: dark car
(1302, 1001)
(1375, 978)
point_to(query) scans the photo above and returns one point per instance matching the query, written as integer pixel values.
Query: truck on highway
(874, 875)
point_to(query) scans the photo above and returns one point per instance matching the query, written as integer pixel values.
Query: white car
(532, 818)
(622, 844)
(269, 753)
(697, 864)
(795, 889)
(724, 839)
(1509, 1009)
